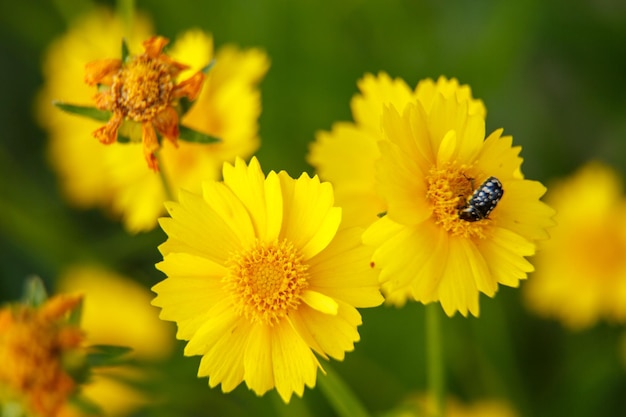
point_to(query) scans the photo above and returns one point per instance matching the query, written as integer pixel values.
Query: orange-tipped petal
(150, 145)
(103, 100)
(101, 71)
(154, 46)
(190, 87)
(166, 122)
(58, 306)
(107, 134)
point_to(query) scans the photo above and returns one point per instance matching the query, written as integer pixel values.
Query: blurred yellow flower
(581, 270)
(116, 177)
(260, 276)
(352, 173)
(36, 347)
(109, 300)
(423, 406)
(459, 216)
(142, 89)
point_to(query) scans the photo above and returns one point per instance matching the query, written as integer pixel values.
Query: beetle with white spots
(483, 201)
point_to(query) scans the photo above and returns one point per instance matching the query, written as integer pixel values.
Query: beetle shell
(482, 202)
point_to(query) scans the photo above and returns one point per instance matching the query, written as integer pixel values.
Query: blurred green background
(552, 74)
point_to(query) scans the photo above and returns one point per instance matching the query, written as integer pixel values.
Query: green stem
(340, 396)
(434, 359)
(169, 196)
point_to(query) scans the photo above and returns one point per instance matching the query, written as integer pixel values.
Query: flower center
(142, 89)
(599, 252)
(448, 190)
(267, 280)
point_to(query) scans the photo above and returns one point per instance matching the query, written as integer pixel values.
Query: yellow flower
(115, 177)
(422, 405)
(260, 277)
(35, 344)
(142, 89)
(109, 301)
(438, 241)
(581, 270)
(353, 173)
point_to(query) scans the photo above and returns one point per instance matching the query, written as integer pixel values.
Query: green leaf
(185, 104)
(34, 292)
(190, 135)
(125, 51)
(86, 111)
(104, 355)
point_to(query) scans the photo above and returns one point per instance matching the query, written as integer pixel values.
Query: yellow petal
(403, 186)
(223, 363)
(504, 252)
(230, 209)
(344, 272)
(309, 221)
(378, 92)
(194, 285)
(447, 148)
(328, 335)
(248, 184)
(320, 302)
(257, 362)
(221, 321)
(457, 288)
(295, 365)
(193, 222)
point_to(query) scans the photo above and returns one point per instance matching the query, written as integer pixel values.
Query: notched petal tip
(190, 88)
(154, 46)
(107, 134)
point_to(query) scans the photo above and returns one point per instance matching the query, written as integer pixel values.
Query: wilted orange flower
(34, 343)
(142, 89)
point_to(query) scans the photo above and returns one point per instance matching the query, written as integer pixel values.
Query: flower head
(142, 89)
(447, 233)
(260, 276)
(353, 173)
(35, 344)
(581, 270)
(116, 177)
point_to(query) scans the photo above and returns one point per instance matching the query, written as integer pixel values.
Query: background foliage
(551, 73)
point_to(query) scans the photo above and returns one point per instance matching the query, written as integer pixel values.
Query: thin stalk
(434, 359)
(340, 396)
(169, 196)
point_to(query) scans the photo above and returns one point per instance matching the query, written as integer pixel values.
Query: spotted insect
(482, 202)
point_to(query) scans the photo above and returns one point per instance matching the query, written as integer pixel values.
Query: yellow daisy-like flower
(448, 233)
(581, 270)
(353, 173)
(142, 89)
(260, 276)
(35, 344)
(116, 177)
